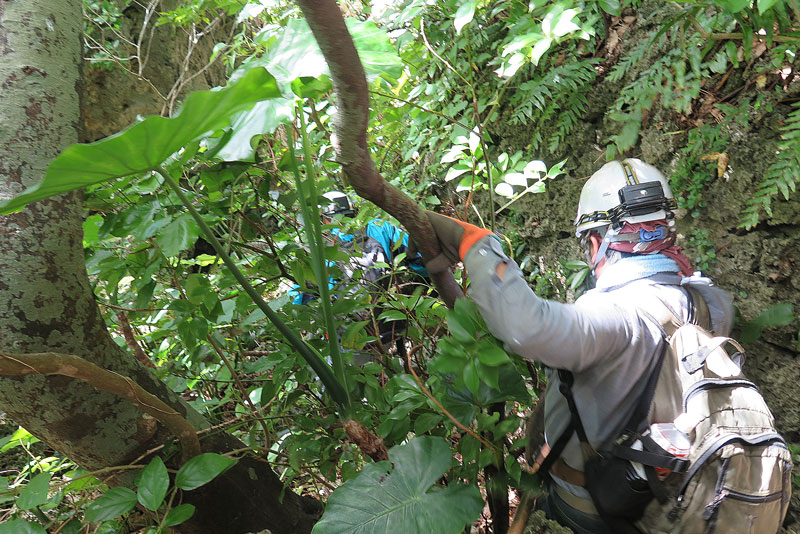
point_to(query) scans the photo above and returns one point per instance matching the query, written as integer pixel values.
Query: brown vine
(50, 363)
(352, 95)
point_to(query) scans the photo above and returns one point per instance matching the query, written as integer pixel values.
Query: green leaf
(314, 88)
(471, 377)
(765, 5)
(464, 15)
(461, 330)
(111, 504)
(492, 355)
(19, 436)
(780, 314)
(178, 235)
(264, 118)
(147, 144)
(91, 229)
(612, 7)
(296, 54)
(396, 496)
(20, 526)
(153, 484)
(426, 422)
(734, 6)
(35, 492)
(201, 470)
(178, 515)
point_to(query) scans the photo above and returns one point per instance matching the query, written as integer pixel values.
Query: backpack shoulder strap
(565, 382)
(699, 313)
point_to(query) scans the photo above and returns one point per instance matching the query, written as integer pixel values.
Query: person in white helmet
(606, 340)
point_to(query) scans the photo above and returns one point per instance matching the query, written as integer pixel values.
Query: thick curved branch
(350, 85)
(50, 363)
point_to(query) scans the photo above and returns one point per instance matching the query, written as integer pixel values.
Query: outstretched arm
(565, 336)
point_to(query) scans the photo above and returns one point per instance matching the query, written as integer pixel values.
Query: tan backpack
(739, 470)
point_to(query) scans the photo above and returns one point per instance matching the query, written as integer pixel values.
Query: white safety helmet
(338, 203)
(624, 191)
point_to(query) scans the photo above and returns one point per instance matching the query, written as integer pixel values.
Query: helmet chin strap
(601, 252)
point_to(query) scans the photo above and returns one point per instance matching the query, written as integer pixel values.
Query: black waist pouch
(616, 488)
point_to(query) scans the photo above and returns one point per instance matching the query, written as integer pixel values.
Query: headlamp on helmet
(338, 204)
(624, 191)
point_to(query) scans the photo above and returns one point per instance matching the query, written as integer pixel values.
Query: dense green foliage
(447, 79)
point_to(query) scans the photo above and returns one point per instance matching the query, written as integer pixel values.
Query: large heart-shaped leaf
(296, 54)
(396, 496)
(147, 144)
(264, 118)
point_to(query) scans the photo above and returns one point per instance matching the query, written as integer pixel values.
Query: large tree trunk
(47, 303)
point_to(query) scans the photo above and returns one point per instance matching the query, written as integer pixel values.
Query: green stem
(479, 126)
(307, 192)
(314, 360)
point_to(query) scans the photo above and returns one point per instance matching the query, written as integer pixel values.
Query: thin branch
(130, 340)
(437, 56)
(423, 108)
(439, 405)
(242, 389)
(50, 363)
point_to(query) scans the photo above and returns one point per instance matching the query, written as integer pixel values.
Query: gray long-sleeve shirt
(606, 339)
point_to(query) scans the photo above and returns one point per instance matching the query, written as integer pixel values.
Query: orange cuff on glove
(472, 234)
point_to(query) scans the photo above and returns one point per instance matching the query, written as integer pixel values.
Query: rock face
(760, 267)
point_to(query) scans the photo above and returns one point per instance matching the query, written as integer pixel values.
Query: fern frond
(781, 177)
(542, 95)
(630, 59)
(573, 111)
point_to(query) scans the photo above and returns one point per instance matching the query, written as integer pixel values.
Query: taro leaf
(147, 144)
(153, 484)
(780, 314)
(264, 118)
(201, 470)
(20, 526)
(396, 496)
(111, 504)
(296, 53)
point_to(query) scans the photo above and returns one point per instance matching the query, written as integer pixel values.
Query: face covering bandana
(651, 237)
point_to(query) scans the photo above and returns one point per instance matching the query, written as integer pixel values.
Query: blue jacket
(375, 245)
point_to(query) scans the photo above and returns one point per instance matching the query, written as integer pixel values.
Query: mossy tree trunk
(47, 303)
